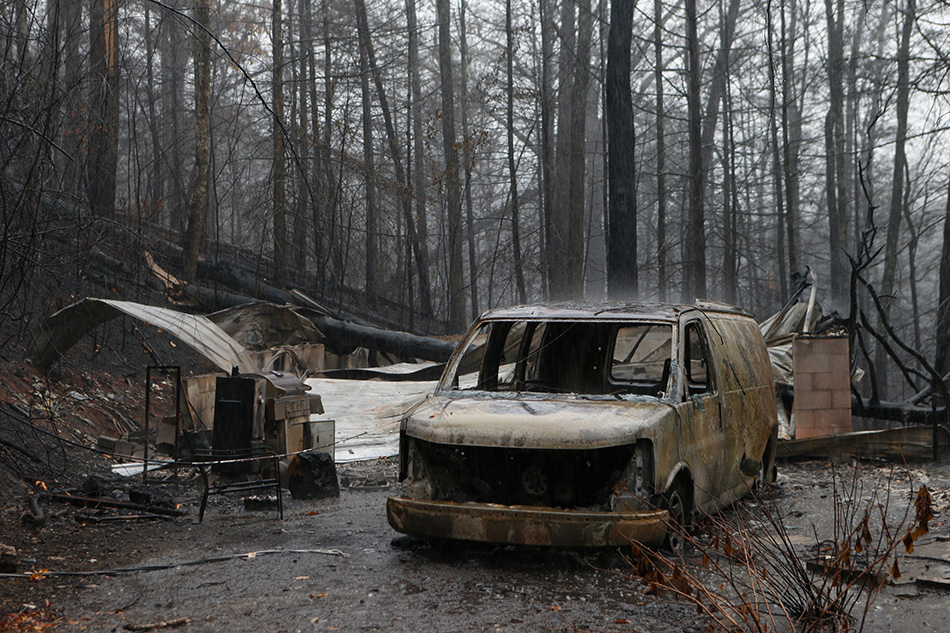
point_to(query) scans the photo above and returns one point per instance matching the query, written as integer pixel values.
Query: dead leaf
(924, 511)
(621, 621)
(554, 607)
(895, 570)
(865, 531)
(909, 543)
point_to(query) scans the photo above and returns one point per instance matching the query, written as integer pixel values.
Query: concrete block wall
(822, 376)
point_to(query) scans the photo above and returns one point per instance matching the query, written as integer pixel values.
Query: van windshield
(579, 357)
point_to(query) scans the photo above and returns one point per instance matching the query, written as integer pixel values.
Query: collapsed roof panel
(64, 328)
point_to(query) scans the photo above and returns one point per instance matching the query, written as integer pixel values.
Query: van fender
(681, 469)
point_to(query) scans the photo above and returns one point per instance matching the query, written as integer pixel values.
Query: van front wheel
(677, 535)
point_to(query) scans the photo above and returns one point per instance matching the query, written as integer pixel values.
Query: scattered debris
(164, 624)
(259, 503)
(97, 486)
(8, 559)
(313, 476)
(35, 515)
(121, 518)
(151, 499)
(46, 573)
(258, 326)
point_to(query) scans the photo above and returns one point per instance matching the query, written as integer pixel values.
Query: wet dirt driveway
(377, 584)
(374, 586)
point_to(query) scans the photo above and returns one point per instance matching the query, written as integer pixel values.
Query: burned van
(592, 426)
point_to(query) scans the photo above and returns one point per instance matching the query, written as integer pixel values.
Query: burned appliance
(264, 414)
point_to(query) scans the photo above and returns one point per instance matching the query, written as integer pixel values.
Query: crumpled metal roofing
(63, 329)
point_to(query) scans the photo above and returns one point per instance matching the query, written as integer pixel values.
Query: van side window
(641, 359)
(698, 377)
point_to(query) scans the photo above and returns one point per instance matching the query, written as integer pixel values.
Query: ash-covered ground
(335, 564)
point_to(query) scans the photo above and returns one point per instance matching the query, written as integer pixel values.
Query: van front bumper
(525, 525)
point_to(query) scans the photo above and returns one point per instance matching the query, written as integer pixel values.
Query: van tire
(768, 470)
(677, 503)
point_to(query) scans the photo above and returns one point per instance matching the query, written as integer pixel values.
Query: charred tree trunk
(418, 170)
(834, 149)
(512, 172)
(104, 101)
(576, 242)
(369, 166)
(305, 154)
(72, 71)
(694, 245)
(157, 188)
(942, 360)
(663, 281)
(897, 182)
(318, 191)
(622, 274)
(280, 171)
(468, 157)
(558, 245)
(421, 249)
(777, 167)
(900, 157)
(545, 11)
(730, 205)
(174, 59)
(451, 182)
(791, 138)
(198, 209)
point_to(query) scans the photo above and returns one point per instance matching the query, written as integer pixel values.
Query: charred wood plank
(96, 502)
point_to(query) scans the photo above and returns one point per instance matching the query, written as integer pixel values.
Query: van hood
(566, 422)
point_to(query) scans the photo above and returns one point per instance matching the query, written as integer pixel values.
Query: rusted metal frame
(148, 413)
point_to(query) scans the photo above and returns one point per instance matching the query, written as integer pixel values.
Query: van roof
(609, 311)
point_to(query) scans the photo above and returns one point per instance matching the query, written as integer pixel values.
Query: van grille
(560, 478)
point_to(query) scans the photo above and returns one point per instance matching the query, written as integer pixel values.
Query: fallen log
(342, 336)
(401, 344)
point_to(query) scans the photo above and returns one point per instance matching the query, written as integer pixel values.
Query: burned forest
(524, 315)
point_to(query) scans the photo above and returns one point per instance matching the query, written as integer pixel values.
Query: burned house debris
(589, 426)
